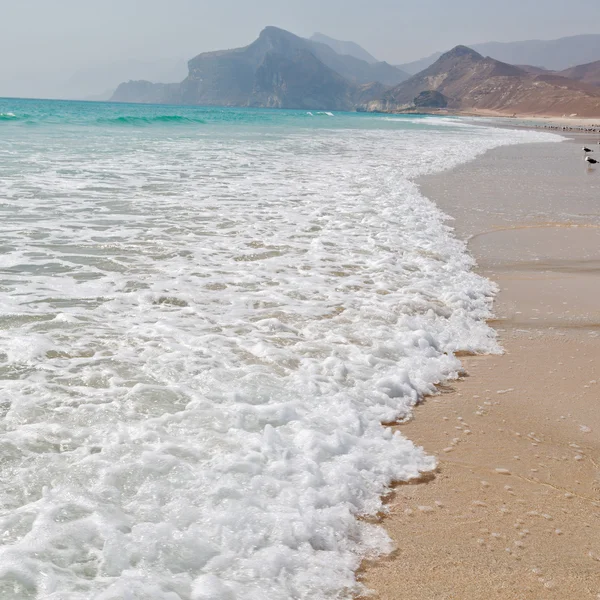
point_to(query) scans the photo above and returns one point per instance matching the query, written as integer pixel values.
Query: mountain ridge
(470, 82)
(277, 70)
(345, 47)
(282, 70)
(556, 55)
(586, 73)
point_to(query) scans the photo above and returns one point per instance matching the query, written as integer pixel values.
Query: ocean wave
(8, 116)
(429, 120)
(153, 120)
(319, 114)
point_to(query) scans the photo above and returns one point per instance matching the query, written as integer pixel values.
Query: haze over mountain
(416, 66)
(554, 55)
(349, 48)
(588, 73)
(147, 92)
(45, 43)
(355, 69)
(352, 62)
(282, 70)
(278, 70)
(467, 81)
(99, 80)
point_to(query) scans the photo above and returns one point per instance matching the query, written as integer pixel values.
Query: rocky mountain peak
(459, 52)
(275, 35)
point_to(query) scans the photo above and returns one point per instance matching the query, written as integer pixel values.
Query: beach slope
(514, 509)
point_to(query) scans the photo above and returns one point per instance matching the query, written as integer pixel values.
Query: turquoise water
(27, 112)
(205, 316)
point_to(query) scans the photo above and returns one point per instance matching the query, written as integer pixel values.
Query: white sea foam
(434, 121)
(200, 336)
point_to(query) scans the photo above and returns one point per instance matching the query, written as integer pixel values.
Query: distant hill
(355, 69)
(348, 48)
(93, 82)
(278, 70)
(588, 73)
(451, 75)
(469, 82)
(104, 97)
(416, 66)
(282, 70)
(555, 55)
(534, 70)
(146, 92)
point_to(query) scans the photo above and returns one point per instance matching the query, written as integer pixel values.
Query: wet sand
(513, 511)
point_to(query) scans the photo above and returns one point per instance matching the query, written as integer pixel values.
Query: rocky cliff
(280, 70)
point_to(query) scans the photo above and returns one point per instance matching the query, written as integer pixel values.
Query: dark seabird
(586, 150)
(591, 160)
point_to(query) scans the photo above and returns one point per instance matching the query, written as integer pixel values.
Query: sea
(208, 316)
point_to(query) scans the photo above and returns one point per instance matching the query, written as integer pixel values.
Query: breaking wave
(141, 121)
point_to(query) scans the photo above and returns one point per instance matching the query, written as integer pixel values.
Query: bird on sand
(586, 150)
(591, 160)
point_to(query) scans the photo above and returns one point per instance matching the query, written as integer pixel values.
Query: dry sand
(514, 509)
(512, 119)
(570, 121)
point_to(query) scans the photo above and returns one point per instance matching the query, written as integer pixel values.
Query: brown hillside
(471, 82)
(531, 70)
(588, 73)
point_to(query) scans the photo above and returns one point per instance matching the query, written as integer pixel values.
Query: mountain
(588, 73)
(348, 48)
(553, 55)
(451, 75)
(355, 69)
(534, 70)
(278, 70)
(412, 68)
(282, 70)
(469, 82)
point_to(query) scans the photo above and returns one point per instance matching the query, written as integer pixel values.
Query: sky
(56, 47)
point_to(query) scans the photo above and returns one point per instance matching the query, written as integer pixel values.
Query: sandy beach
(533, 120)
(513, 511)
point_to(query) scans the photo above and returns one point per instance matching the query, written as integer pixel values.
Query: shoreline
(561, 123)
(513, 510)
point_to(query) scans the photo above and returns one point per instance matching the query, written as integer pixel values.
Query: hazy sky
(44, 42)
